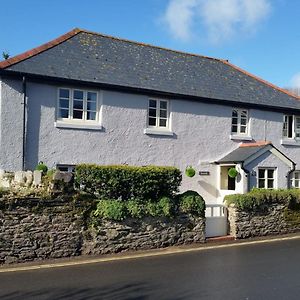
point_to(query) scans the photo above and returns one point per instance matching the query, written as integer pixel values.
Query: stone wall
(269, 219)
(36, 229)
(149, 233)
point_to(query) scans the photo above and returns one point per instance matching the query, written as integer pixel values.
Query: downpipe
(24, 103)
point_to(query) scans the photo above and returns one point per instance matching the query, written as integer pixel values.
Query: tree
(5, 55)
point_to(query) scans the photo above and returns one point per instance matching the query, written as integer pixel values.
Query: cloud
(295, 81)
(221, 19)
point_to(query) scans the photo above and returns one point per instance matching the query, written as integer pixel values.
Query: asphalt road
(261, 271)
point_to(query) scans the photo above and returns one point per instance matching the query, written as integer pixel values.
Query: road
(260, 271)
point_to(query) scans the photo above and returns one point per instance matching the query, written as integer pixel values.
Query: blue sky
(261, 36)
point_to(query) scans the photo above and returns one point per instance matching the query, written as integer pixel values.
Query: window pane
(270, 174)
(63, 113)
(152, 112)
(152, 121)
(91, 115)
(91, 106)
(63, 93)
(234, 121)
(243, 129)
(91, 96)
(163, 113)
(78, 104)
(261, 173)
(296, 183)
(63, 103)
(243, 121)
(261, 183)
(290, 126)
(163, 122)
(234, 129)
(152, 103)
(270, 183)
(78, 94)
(244, 114)
(77, 114)
(163, 104)
(234, 113)
(296, 175)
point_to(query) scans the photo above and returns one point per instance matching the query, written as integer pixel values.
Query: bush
(192, 203)
(41, 167)
(111, 210)
(135, 208)
(259, 197)
(128, 182)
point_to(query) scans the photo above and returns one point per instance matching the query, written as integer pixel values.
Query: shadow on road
(137, 291)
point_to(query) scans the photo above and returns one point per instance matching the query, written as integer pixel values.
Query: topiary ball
(190, 171)
(232, 172)
(42, 167)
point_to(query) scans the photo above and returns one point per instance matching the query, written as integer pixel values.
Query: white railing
(215, 210)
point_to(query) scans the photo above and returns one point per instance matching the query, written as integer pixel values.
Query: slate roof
(96, 58)
(242, 153)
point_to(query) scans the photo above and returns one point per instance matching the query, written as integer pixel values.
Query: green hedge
(192, 203)
(128, 182)
(259, 197)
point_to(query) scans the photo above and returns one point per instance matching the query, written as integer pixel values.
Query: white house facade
(51, 111)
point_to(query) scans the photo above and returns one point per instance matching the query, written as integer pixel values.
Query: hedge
(192, 203)
(128, 182)
(259, 197)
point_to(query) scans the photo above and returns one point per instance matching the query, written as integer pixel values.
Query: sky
(260, 36)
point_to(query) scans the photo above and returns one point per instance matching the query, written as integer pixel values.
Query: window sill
(290, 142)
(153, 131)
(66, 125)
(240, 137)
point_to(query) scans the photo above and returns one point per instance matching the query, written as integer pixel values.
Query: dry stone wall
(36, 229)
(272, 219)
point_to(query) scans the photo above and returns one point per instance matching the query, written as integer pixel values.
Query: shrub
(192, 203)
(111, 210)
(41, 167)
(128, 182)
(259, 197)
(135, 208)
(190, 171)
(166, 207)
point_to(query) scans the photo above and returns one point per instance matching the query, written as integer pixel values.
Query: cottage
(91, 98)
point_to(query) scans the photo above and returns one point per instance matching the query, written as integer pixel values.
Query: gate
(216, 220)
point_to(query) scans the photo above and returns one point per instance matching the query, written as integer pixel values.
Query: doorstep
(217, 239)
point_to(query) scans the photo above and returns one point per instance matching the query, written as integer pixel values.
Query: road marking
(160, 252)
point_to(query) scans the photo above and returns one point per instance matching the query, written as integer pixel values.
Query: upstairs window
(158, 114)
(291, 127)
(77, 105)
(239, 121)
(266, 178)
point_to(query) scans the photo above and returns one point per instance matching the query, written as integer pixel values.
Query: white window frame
(70, 118)
(266, 169)
(295, 182)
(239, 125)
(158, 118)
(294, 130)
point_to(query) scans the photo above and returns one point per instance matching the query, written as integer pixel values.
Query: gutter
(24, 103)
(148, 92)
(288, 175)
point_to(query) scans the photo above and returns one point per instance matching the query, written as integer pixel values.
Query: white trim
(290, 142)
(70, 125)
(240, 137)
(275, 178)
(274, 151)
(239, 113)
(75, 123)
(157, 117)
(156, 131)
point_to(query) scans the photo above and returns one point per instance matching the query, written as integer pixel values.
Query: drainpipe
(288, 175)
(24, 123)
(247, 176)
